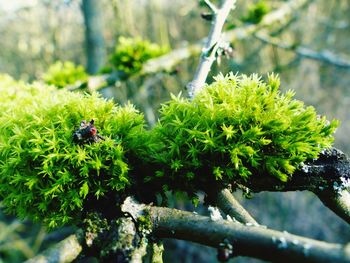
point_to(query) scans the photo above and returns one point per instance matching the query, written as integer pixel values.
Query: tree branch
(323, 56)
(208, 55)
(328, 177)
(248, 241)
(337, 201)
(331, 168)
(65, 251)
(168, 61)
(229, 205)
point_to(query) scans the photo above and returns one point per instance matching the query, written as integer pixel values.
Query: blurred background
(309, 48)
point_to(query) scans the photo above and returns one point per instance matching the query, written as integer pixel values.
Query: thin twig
(248, 241)
(229, 205)
(208, 55)
(211, 6)
(323, 56)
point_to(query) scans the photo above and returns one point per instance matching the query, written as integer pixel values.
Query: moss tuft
(130, 54)
(44, 175)
(235, 127)
(61, 74)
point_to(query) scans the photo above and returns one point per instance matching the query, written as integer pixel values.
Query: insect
(86, 133)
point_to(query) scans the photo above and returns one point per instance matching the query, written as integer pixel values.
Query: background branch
(65, 251)
(168, 61)
(323, 56)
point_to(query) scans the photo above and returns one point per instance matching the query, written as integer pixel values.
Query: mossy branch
(320, 174)
(324, 176)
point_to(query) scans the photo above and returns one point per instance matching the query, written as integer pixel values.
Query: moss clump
(236, 127)
(61, 74)
(130, 54)
(47, 177)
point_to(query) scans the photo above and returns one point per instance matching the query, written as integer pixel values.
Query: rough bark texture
(317, 175)
(95, 44)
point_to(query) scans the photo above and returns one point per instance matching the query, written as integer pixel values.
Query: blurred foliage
(130, 54)
(256, 12)
(61, 74)
(19, 240)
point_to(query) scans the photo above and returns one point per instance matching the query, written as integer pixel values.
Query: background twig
(208, 55)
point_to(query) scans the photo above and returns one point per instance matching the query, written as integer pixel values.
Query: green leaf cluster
(131, 53)
(256, 12)
(62, 74)
(43, 174)
(234, 128)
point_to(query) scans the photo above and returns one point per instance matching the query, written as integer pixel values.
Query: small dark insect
(225, 251)
(86, 133)
(207, 16)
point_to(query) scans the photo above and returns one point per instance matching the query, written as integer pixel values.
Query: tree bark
(251, 241)
(95, 44)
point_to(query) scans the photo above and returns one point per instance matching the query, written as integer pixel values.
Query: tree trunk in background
(95, 44)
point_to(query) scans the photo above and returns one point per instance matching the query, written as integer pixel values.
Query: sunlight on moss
(238, 126)
(43, 174)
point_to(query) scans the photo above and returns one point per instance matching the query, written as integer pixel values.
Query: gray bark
(95, 44)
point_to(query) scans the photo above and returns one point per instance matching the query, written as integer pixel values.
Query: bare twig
(211, 6)
(65, 251)
(248, 241)
(229, 205)
(208, 55)
(323, 56)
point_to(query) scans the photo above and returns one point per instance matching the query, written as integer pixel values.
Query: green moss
(61, 74)
(43, 174)
(237, 126)
(130, 54)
